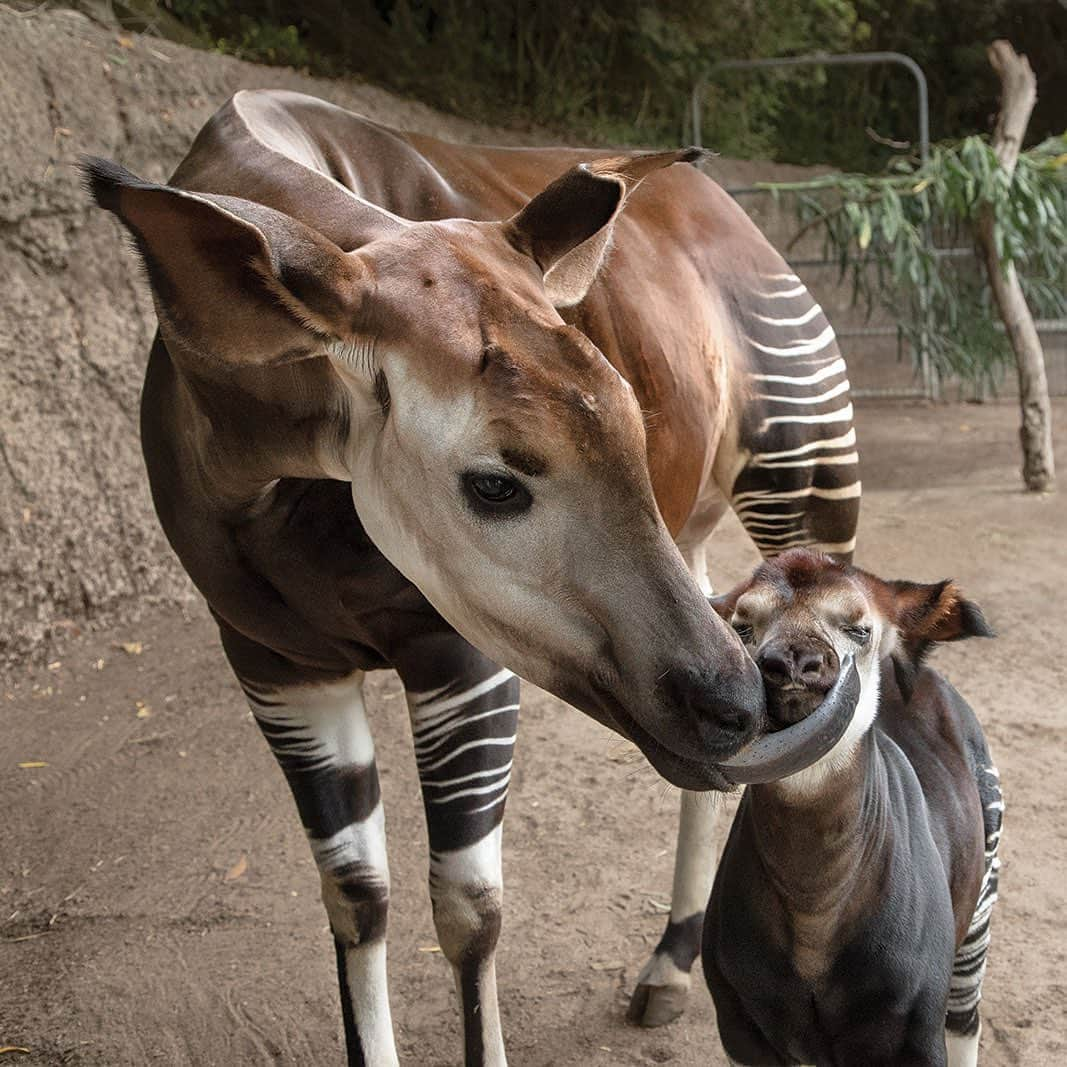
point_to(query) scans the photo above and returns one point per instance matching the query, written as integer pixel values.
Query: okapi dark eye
(860, 634)
(495, 495)
(743, 630)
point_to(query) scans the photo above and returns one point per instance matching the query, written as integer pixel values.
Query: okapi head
(496, 458)
(809, 623)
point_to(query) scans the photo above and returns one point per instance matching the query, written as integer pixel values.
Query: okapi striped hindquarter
(796, 424)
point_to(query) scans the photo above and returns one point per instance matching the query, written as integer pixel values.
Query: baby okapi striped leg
(464, 715)
(319, 735)
(963, 1024)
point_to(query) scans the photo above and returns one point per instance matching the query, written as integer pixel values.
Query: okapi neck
(816, 845)
(249, 428)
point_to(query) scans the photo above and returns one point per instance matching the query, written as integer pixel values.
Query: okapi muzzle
(496, 458)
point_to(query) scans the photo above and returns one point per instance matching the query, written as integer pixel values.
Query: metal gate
(881, 360)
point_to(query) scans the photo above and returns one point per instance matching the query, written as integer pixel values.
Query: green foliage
(621, 70)
(889, 234)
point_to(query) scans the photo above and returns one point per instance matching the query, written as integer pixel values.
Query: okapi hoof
(656, 1005)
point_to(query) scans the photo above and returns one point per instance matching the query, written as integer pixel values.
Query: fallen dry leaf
(30, 764)
(124, 42)
(429, 948)
(131, 648)
(236, 870)
(54, 665)
(12, 1048)
(144, 711)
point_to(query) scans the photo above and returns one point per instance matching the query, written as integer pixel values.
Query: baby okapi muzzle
(849, 920)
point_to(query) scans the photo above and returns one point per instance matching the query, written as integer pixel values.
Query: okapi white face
(803, 614)
(496, 458)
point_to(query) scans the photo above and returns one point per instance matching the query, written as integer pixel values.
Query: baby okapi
(849, 920)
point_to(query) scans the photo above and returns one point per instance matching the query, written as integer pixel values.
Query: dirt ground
(158, 904)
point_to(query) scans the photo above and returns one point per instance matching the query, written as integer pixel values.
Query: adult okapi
(400, 414)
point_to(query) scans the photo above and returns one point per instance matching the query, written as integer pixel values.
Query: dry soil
(158, 904)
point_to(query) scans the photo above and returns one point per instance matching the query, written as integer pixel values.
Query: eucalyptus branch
(888, 222)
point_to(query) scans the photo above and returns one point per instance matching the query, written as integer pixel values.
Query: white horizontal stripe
(837, 390)
(784, 293)
(846, 440)
(485, 807)
(474, 791)
(467, 777)
(800, 320)
(819, 461)
(485, 742)
(360, 842)
(767, 520)
(769, 537)
(786, 277)
(432, 707)
(829, 371)
(798, 348)
(801, 541)
(836, 546)
(761, 496)
(841, 415)
(427, 743)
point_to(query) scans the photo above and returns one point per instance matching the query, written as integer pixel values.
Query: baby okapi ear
(724, 603)
(233, 281)
(924, 614)
(567, 227)
(936, 612)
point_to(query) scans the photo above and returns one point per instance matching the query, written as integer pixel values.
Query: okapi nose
(799, 664)
(722, 710)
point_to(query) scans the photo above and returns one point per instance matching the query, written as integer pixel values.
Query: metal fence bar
(826, 59)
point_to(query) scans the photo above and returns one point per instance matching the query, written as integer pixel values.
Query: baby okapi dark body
(848, 923)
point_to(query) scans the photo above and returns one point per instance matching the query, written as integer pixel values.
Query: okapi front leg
(663, 984)
(319, 734)
(464, 714)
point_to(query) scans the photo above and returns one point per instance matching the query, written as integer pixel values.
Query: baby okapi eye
(495, 495)
(860, 634)
(743, 630)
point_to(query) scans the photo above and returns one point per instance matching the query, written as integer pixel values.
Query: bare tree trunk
(1018, 96)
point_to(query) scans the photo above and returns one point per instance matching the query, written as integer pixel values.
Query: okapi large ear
(233, 281)
(567, 227)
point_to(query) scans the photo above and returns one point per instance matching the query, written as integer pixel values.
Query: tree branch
(1018, 96)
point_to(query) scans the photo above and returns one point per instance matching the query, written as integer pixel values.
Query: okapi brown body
(400, 414)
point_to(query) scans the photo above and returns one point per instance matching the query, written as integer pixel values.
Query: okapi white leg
(663, 984)
(320, 737)
(464, 739)
(962, 1049)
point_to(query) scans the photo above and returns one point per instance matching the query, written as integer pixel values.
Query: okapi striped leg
(319, 734)
(663, 983)
(464, 716)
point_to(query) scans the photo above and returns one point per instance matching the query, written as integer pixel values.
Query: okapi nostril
(776, 666)
(810, 665)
